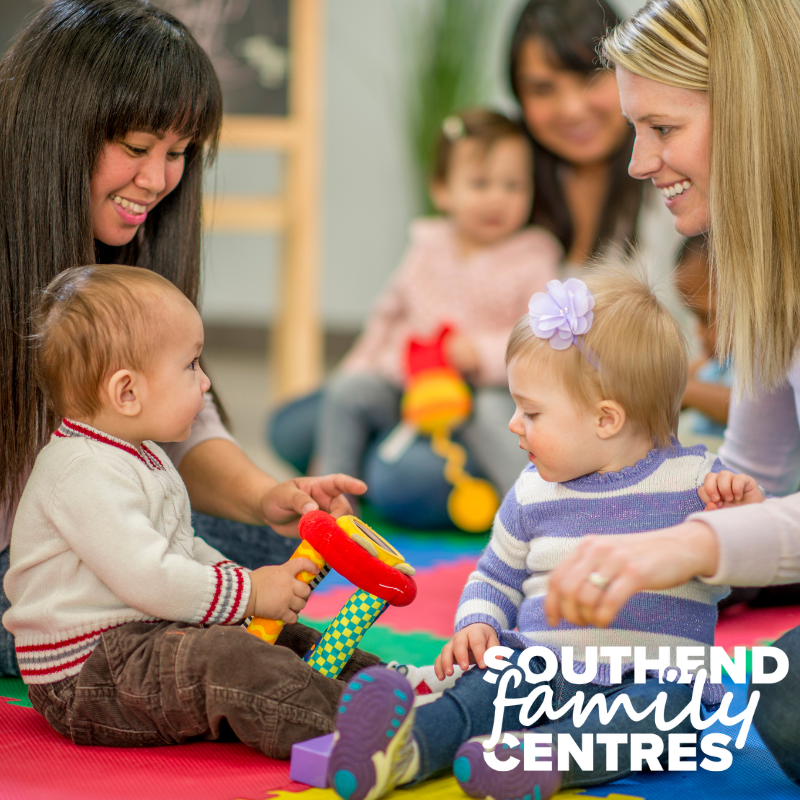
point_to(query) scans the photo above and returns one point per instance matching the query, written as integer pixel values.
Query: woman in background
(582, 143)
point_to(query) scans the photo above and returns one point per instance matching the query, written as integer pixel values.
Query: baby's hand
(467, 647)
(725, 489)
(461, 354)
(276, 593)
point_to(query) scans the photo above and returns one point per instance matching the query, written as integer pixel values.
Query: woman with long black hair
(582, 144)
(109, 110)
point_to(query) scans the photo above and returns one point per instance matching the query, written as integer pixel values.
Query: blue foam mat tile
(754, 773)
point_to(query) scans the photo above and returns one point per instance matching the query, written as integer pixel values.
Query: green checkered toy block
(341, 637)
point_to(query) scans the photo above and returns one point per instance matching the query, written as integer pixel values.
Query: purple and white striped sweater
(540, 523)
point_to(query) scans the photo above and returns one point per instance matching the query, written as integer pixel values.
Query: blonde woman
(711, 89)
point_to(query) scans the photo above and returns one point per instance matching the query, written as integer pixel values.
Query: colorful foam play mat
(38, 764)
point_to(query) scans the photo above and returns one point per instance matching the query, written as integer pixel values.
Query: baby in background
(708, 391)
(111, 592)
(471, 269)
(597, 371)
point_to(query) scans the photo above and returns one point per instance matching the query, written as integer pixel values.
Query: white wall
(368, 197)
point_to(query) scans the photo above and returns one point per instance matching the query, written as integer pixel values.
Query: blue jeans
(412, 492)
(291, 430)
(249, 545)
(777, 718)
(467, 710)
(8, 657)
(252, 546)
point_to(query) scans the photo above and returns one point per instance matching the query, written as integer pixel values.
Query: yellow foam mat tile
(440, 789)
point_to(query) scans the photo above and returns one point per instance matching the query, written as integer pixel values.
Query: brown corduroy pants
(155, 684)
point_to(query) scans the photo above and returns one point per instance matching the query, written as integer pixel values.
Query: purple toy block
(310, 761)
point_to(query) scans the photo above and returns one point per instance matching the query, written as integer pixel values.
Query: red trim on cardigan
(152, 462)
(152, 456)
(238, 598)
(28, 648)
(215, 599)
(56, 667)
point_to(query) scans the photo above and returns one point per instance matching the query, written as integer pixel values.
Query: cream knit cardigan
(102, 537)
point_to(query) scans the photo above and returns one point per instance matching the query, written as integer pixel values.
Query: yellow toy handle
(269, 629)
(473, 502)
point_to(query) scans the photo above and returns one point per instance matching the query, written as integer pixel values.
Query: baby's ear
(122, 392)
(610, 418)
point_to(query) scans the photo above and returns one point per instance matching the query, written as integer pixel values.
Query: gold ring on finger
(596, 579)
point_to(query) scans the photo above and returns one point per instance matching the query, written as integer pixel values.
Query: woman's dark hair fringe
(571, 31)
(82, 73)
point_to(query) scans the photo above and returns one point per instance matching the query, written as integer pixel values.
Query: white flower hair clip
(563, 313)
(453, 128)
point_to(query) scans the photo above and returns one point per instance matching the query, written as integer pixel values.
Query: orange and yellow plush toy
(436, 401)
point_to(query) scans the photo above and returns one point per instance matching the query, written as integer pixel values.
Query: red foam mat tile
(434, 610)
(439, 589)
(740, 625)
(39, 764)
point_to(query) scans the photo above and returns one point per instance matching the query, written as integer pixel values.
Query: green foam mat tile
(15, 690)
(389, 645)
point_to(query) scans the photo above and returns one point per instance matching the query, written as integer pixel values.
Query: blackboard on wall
(248, 41)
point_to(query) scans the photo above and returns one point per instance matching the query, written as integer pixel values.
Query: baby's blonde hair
(90, 322)
(634, 353)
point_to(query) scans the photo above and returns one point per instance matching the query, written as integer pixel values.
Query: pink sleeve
(529, 271)
(491, 349)
(386, 314)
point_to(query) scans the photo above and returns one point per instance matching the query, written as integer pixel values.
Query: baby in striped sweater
(597, 371)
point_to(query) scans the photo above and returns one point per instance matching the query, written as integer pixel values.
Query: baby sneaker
(373, 749)
(480, 780)
(423, 680)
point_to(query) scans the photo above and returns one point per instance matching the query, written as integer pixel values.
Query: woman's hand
(726, 489)
(276, 592)
(285, 503)
(467, 647)
(590, 586)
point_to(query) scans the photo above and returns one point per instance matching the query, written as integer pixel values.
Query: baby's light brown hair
(90, 322)
(480, 125)
(634, 353)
